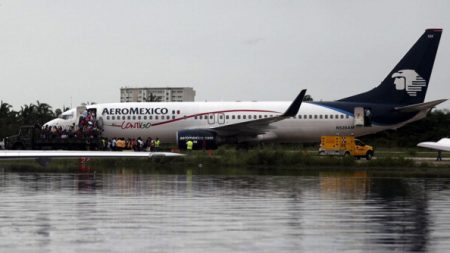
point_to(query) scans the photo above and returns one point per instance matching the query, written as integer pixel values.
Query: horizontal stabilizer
(420, 106)
(443, 144)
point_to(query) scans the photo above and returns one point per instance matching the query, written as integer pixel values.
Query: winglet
(295, 106)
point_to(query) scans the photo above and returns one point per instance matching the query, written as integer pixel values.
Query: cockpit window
(67, 116)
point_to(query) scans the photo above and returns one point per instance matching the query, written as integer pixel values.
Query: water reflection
(130, 210)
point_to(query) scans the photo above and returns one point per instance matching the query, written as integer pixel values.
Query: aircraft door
(363, 117)
(367, 117)
(220, 118)
(359, 116)
(211, 118)
(216, 118)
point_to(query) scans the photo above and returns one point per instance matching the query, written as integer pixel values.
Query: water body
(130, 211)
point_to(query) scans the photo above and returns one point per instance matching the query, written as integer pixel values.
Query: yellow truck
(345, 146)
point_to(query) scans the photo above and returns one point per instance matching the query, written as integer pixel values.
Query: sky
(65, 53)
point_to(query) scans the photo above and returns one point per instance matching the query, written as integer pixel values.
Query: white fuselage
(163, 120)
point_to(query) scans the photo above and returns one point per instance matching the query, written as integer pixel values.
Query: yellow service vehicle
(346, 146)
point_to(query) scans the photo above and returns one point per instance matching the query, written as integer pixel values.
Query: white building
(157, 94)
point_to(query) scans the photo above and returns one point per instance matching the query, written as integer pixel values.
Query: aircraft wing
(260, 126)
(443, 144)
(420, 106)
(23, 154)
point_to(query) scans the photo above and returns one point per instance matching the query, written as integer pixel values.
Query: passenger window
(227, 117)
(299, 116)
(310, 116)
(134, 117)
(331, 116)
(320, 116)
(233, 117)
(254, 116)
(326, 116)
(145, 117)
(239, 117)
(244, 117)
(107, 117)
(113, 117)
(156, 117)
(139, 117)
(315, 116)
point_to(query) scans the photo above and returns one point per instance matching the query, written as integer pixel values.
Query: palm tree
(44, 112)
(308, 98)
(5, 110)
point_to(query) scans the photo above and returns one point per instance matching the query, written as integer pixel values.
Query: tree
(5, 110)
(308, 98)
(6, 118)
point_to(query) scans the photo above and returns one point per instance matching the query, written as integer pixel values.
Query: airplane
(442, 145)
(396, 101)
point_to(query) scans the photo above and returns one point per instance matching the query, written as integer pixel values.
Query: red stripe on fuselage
(201, 114)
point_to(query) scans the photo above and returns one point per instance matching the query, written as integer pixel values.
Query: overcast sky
(60, 52)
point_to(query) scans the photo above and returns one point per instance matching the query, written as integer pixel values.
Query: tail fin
(407, 83)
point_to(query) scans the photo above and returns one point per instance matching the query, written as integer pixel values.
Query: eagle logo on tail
(409, 80)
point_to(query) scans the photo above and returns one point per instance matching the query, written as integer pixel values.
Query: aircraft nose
(53, 122)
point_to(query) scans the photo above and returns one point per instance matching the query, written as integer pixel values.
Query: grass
(229, 159)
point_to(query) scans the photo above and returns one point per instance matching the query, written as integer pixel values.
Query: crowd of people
(88, 130)
(119, 144)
